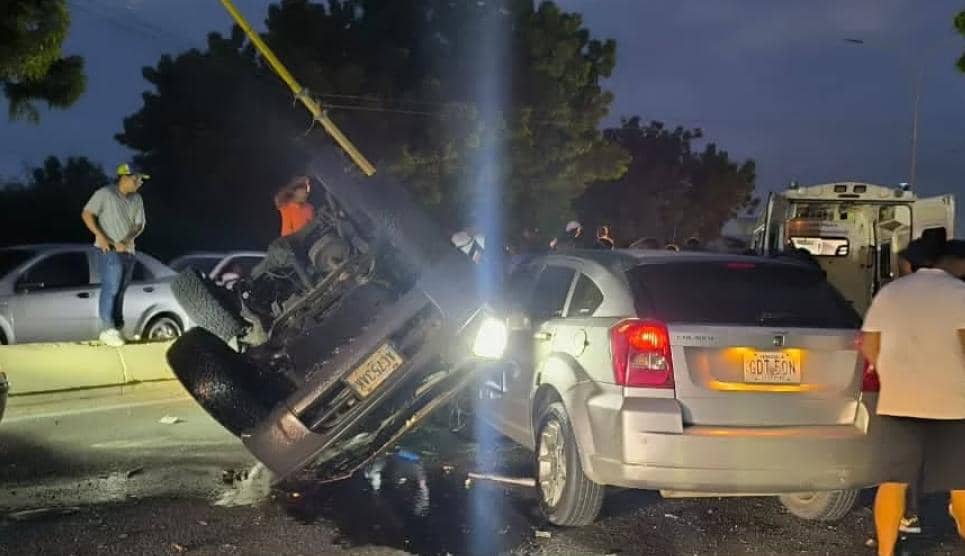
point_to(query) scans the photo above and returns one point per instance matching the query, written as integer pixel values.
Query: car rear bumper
(632, 444)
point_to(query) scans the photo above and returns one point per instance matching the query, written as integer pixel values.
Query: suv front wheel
(566, 496)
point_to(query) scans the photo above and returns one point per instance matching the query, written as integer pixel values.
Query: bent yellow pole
(301, 93)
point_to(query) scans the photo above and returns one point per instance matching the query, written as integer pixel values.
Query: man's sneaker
(112, 337)
(910, 525)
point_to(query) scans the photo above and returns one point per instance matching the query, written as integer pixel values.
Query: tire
(207, 305)
(830, 506)
(222, 381)
(572, 500)
(162, 328)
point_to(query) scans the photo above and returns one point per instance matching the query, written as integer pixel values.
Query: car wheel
(221, 380)
(162, 328)
(821, 506)
(566, 496)
(207, 305)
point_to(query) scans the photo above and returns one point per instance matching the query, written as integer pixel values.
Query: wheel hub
(551, 463)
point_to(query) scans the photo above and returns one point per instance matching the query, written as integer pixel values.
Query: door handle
(543, 336)
(84, 295)
(149, 289)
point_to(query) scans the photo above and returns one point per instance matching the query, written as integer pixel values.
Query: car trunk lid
(755, 343)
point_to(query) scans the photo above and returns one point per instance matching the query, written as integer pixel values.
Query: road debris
(169, 420)
(671, 516)
(179, 548)
(542, 534)
(871, 543)
(134, 472)
(519, 481)
(36, 513)
(254, 488)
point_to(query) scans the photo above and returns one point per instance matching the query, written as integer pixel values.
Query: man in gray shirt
(115, 215)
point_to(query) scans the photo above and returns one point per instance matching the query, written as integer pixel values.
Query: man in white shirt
(914, 335)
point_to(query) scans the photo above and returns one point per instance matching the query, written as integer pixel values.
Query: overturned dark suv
(350, 332)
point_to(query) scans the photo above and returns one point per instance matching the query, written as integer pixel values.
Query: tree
(403, 80)
(671, 191)
(47, 207)
(32, 66)
(960, 25)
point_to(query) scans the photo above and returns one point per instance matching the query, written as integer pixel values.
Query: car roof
(42, 247)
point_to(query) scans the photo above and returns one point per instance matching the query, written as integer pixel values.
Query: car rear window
(12, 258)
(740, 293)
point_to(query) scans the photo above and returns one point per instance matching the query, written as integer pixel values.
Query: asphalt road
(101, 474)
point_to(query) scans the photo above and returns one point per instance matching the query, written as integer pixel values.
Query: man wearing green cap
(115, 215)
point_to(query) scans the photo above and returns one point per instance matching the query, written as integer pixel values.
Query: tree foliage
(47, 207)
(32, 66)
(453, 98)
(672, 190)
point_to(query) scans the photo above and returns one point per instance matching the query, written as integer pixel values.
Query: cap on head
(125, 170)
(573, 226)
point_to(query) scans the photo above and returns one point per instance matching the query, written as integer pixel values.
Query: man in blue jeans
(115, 215)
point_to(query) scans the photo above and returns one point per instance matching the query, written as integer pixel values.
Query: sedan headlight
(491, 338)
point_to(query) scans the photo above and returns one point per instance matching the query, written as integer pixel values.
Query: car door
(55, 299)
(140, 297)
(532, 344)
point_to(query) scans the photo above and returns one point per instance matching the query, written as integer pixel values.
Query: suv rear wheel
(566, 496)
(821, 506)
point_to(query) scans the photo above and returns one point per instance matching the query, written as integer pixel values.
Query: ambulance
(853, 230)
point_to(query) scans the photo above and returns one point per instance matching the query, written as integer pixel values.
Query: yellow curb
(34, 368)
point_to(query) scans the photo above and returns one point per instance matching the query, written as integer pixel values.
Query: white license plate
(374, 370)
(772, 367)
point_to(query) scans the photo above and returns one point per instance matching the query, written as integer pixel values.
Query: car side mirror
(518, 321)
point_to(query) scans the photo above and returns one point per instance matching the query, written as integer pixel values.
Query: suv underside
(346, 335)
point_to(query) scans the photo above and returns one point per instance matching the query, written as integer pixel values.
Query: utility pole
(914, 131)
(301, 93)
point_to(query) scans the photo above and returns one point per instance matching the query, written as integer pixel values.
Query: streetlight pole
(914, 131)
(913, 171)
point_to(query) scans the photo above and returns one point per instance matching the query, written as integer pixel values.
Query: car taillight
(869, 378)
(641, 354)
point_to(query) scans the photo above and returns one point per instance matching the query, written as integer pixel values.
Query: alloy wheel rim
(552, 463)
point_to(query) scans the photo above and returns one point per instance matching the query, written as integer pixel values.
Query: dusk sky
(772, 81)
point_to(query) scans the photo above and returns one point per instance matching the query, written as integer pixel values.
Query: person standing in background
(292, 202)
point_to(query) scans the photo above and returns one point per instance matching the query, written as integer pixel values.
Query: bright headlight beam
(491, 339)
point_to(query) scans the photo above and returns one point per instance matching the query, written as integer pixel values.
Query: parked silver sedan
(49, 293)
(694, 374)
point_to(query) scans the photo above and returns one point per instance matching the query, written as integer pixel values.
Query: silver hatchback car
(49, 293)
(693, 374)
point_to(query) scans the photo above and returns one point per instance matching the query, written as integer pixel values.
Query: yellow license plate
(374, 370)
(772, 367)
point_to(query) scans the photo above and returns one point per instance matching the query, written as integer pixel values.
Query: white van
(853, 230)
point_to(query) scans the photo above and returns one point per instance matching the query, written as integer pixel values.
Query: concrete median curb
(37, 368)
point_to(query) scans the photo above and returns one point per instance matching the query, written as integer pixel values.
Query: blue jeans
(116, 270)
